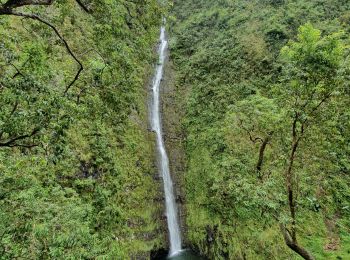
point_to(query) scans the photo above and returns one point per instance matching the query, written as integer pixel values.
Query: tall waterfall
(171, 207)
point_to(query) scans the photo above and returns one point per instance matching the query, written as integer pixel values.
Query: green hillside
(255, 103)
(266, 125)
(76, 158)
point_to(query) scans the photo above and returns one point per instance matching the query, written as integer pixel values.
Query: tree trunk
(293, 244)
(290, 187)
(290, 236)
(261, 153)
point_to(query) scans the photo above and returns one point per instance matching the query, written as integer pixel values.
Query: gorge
(222, 134)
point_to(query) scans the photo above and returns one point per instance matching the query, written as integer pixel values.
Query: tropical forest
(183, 130)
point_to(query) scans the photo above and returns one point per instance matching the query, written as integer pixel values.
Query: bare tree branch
(18, 72)
(18, 3)
(262, 152)
(69, 50)
(7, 9)
(12, 141)
(85, 8)
(11, 4)
(254, 140)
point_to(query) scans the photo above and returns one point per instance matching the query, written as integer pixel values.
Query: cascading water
(171, 207)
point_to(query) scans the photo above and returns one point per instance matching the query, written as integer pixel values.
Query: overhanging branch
(18, 3)
(7, 9)
(69, 50)
(12, 142)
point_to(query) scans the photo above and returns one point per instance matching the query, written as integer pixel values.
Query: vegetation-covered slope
(76, 159)
(267, 126)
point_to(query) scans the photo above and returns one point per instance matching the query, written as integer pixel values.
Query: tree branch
(18, 72)
(10, 4)
(69, 50)
(13, 140)
(7, 9)
(254, 140)
(262, 152)
(85, 8)
(292, 244)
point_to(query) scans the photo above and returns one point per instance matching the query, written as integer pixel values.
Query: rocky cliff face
(172, 114)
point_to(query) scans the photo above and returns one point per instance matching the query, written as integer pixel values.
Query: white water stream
(171, 207)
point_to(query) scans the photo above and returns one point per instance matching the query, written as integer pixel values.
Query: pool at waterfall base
(185, 254)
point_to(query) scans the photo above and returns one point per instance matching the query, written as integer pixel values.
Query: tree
(258, 118)
(312, 78)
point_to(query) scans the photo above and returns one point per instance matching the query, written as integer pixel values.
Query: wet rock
(211, 234)
(180, 199)
(159, 254)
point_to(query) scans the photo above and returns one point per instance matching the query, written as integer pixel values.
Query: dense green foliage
(267, 126)
(76, 161)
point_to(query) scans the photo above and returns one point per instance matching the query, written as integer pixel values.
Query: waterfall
(171, 207)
